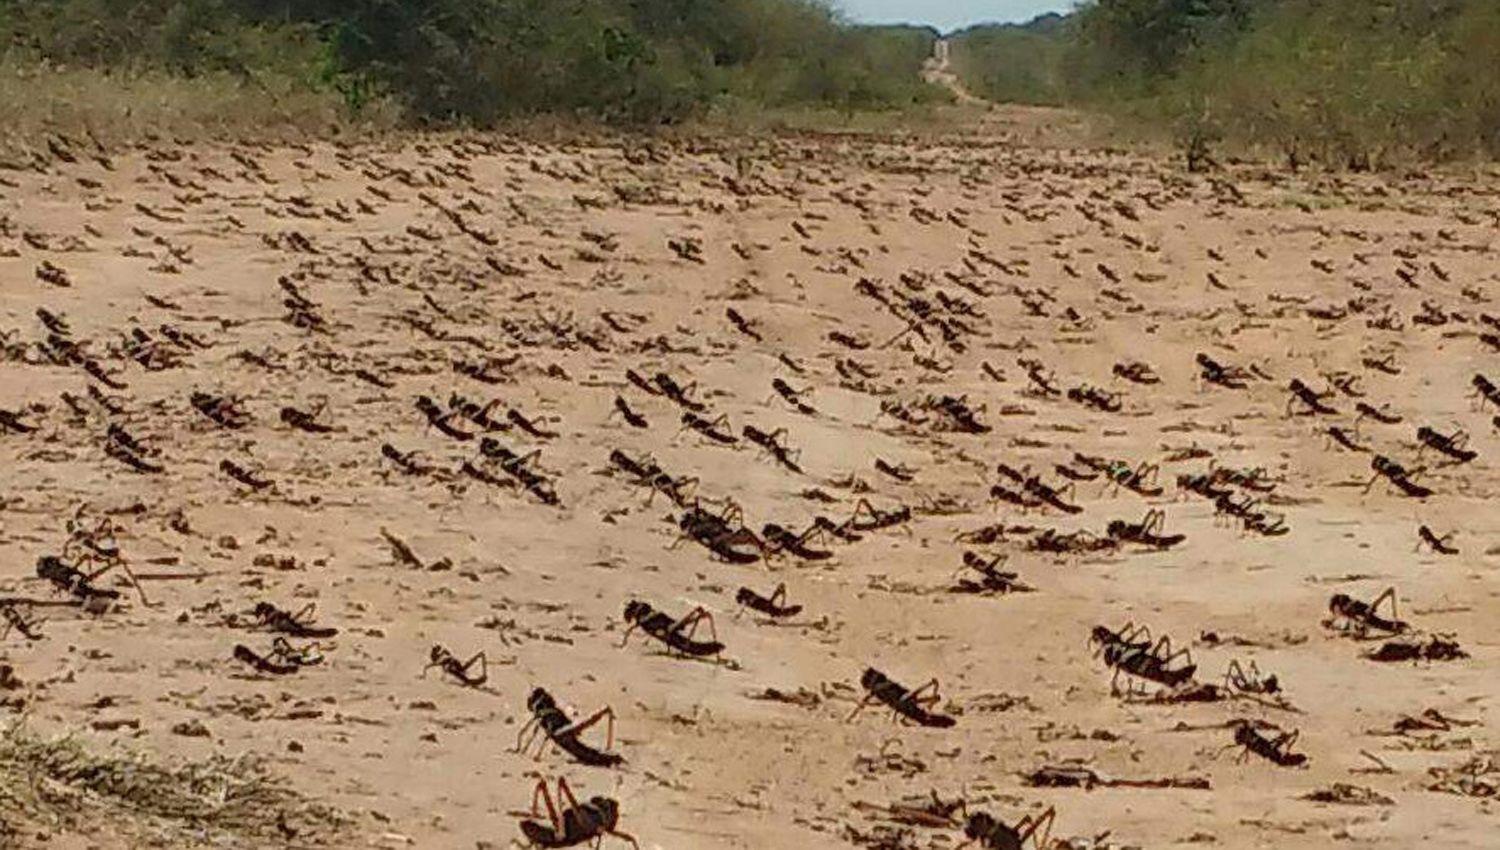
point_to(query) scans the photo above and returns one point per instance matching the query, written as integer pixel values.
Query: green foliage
(1127, 41)
(1012, 64)
(1345, 82)
(1352, 83)
(481, 61)
(185, 37)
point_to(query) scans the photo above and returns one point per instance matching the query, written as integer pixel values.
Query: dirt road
(939, 71)
(906, 292)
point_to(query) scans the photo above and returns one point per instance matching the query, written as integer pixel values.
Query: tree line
(476, 62)
(1347, 82)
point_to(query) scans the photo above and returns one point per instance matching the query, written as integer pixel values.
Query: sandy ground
(565, 279)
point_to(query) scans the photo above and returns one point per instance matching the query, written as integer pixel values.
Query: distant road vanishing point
(938, 70)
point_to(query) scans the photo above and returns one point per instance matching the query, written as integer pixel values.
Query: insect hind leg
(1165, 646)
(921, 693)
(541, 792)
(1029, 827)
(625, 836)
(692, 620)
(863, 704)
(1388, 593)
(532, 728)
(484, 666)
(778, 596)
(566, 793)
(1235, 675)
(606, 713)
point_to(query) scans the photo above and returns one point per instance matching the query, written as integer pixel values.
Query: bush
(1352, 83)
(480, 61)
(1343, 82)
(1013, 64)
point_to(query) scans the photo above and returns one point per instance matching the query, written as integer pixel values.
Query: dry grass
(55, 787)
(115, 107)
(747, 118)
(1037, 126)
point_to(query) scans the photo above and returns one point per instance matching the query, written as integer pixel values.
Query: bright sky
(948, 14)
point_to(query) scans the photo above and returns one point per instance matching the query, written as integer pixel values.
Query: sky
(948, 14)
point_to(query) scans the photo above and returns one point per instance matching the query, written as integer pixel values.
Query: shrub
(480, 61)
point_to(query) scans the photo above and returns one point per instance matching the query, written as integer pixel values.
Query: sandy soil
(563, 276)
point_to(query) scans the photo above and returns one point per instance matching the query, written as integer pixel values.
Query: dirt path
(345, 283)
(938, 70)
